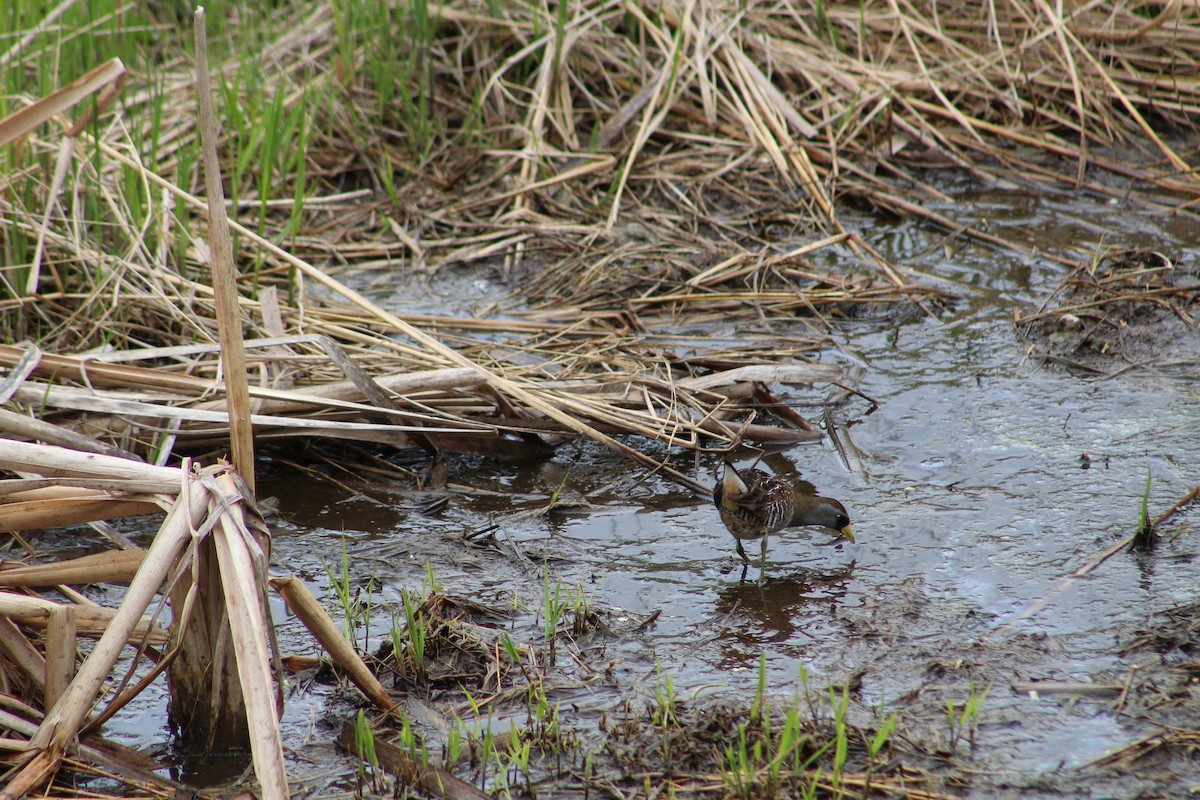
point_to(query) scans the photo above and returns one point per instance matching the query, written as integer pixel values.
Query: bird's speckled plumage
(753, 504)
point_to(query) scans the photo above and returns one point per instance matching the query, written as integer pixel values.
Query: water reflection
(769, 611)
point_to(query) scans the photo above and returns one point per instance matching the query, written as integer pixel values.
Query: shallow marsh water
(970, 494)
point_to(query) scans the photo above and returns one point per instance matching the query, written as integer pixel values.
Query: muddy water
(980, 481)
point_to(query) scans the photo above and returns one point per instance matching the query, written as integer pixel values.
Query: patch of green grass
(411, 628)
(826, 24)
(399, 78)
(762, 762)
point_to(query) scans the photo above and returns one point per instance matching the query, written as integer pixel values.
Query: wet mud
(1126, 311)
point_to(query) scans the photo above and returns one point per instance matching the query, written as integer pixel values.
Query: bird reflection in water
(777, 609)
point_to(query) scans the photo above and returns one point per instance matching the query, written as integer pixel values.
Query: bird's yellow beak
(848, 532)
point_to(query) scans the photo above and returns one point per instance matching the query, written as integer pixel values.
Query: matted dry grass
(629, 170)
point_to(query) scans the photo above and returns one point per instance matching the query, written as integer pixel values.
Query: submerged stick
(1069, 581)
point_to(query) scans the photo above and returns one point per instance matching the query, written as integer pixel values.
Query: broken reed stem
(61, 648)
(224, 274)
(316, 619)
(63, 721)
(242, 554)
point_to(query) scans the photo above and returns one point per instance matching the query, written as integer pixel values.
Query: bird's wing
(804, 488)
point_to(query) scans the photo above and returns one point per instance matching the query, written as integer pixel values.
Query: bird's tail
(732, 484)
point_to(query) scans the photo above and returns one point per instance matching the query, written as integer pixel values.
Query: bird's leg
(741, 551)
(762, 567)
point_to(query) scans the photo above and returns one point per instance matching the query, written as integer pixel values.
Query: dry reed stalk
(69, 507)
(57, 462)
(22, 653)
(91, 621)
(51, 106)
(61, 649)
(525, 393)
(112, 566)
(224, 273)
(25, 427)
(243, 555)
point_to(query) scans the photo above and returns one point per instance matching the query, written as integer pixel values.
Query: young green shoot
(431, 585)
(739, 771)
(487, 743)
(510, 648)
(1144, 535)
(966, 721)
(556, 494)
(354, 611)
(409, 644)
(519, 750)
(452, 747)
(664, 715)
(581, 608)
(881, 737)
(552, 611)
(364, 739)
(413, 744)
(883, 734)
(758, 711)
(841, 738)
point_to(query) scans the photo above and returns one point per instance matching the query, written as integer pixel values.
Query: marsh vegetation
(477, 242)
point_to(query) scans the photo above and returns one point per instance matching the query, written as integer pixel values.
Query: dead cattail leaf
(111, 566)
(29, 118)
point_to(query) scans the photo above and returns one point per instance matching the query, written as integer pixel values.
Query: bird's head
(832, 514)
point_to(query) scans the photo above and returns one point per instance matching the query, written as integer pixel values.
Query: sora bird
(754, 505)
